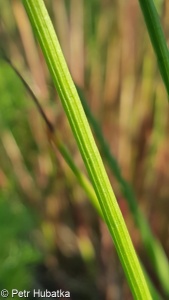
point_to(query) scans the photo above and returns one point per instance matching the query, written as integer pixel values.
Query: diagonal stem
(46, 36)
(157, 37)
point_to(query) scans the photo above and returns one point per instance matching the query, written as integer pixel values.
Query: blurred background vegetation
(50, 235)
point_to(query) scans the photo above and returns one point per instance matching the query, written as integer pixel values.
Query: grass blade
(69, 97)
(157, 37)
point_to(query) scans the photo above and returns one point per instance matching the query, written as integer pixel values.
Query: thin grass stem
(157, 37)
(46, 36)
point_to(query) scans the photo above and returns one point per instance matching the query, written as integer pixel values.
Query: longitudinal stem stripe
(157, 38)
(50, 46)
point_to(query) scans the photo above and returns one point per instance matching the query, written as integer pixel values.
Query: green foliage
(13, 107)
(17, 254)
(12, 98)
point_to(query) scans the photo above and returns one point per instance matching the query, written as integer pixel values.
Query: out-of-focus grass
(18, 255)
(110, 57)
(18, 251)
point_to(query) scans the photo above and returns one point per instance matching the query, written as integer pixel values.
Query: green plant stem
(46, 36)
(157, 38)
